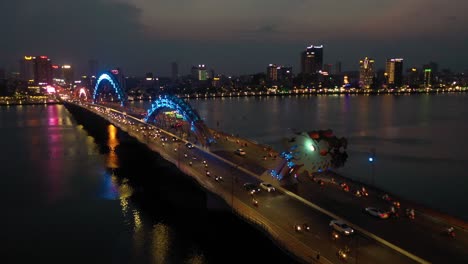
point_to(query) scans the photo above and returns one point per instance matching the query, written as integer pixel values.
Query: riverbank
(28, 103)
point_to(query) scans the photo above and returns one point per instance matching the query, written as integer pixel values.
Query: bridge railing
(279, 235)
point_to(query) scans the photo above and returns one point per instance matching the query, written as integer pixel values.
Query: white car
(240, 152)
(267, 186)
(377, 212)
(341, 227)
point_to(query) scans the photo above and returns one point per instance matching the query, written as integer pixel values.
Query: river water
(419, 140)
(75, 194)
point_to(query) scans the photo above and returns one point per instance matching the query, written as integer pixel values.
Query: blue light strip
(115, 84)
(175, 103)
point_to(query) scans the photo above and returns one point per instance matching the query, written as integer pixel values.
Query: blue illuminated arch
(108, 76)
(185, 110)
(174, 103)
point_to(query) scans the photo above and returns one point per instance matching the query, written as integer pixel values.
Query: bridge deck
(387, 241)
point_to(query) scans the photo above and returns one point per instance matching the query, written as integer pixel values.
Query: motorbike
(255, 202)
(342, 254)
(450, 232)
(364, 191)
(410, 213)
(298, 228)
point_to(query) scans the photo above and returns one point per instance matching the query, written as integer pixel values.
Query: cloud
(69, 28)
(146, 35)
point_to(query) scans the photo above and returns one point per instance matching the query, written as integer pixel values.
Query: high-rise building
(366, 73)
(57, 73)
(93, 67)
(394, 72)
(67, 72)
(312, 59)
(272, 72)
(174, 71)
(202, 73)
(199, 72)
(338, 67)
(42, 70)
(427, 77)
(284, 73)
(27, 68)
(413, 77)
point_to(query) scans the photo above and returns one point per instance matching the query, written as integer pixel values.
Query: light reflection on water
(419, 139)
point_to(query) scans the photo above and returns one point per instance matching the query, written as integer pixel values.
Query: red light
(55, 66)
(43, 57)
(115, 71)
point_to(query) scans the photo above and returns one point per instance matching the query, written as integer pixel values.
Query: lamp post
(372, 161)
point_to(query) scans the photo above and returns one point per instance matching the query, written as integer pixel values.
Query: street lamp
(372, 161)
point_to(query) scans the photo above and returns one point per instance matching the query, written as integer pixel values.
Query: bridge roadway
(376, 241)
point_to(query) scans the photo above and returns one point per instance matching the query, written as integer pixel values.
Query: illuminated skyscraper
(42, 70)
(67, 72)
(27, 68)
(199, 72)
(366, 72)
(272, 72)
(312, 59)
(427, 78)
(413, 77)
(394, 72)
(284, 73)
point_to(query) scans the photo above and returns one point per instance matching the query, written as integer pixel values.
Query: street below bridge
(399, 240)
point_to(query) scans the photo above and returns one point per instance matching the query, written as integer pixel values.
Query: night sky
(232, 37)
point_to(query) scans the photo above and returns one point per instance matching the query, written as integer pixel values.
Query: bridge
(173, 129)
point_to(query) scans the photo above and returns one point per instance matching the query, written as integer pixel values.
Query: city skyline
(233, 38)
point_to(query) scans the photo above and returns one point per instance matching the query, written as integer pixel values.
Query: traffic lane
(402, 232)
(270, 206)
(219, 166)
(213, 159)
(434, 225)
(320, 236)
(244, 161)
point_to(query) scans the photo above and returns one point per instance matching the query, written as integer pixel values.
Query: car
(240, 152)
(377, 212)
(189, 145)
(267, 187)
(341, 227)
(251, 187)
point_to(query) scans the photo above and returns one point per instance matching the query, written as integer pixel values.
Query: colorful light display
(107, 76)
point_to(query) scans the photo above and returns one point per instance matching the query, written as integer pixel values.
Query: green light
(427, 70)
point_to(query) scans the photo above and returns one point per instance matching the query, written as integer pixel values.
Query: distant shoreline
(244, 94)
(28, 103)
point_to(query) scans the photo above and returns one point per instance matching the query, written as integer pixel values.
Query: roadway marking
(306, 202)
